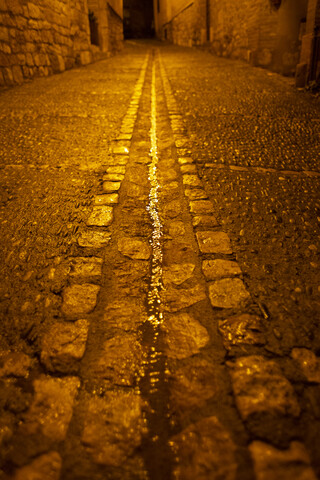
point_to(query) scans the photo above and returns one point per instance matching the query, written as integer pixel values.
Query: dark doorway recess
(138, 19)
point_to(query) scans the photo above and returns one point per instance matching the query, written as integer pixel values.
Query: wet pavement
(160, 287)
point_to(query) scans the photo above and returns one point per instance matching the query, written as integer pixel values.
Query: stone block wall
(115, 23)
(41, 37)
(184, 28)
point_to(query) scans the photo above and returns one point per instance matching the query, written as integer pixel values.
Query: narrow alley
(159, 260)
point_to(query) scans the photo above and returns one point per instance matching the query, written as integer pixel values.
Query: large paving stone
(120, 360)
(176, 228)
(204, 450)
(177, 273)
(79, 299)
(175, 299)
(273, 464)
(63, 346)
(242, 329)
(91, 238)
(100, 216)
(184, 335)
(139, 192)
(171, 209)
(114, 427)
(15, 364)
(214, 242)
(228, 293)
(45, 467)
(218, 268)
(168, 175)
(52, 407)
(134, 248)
(308, 363)
(192, 385)
(85, 267)
(260, 387)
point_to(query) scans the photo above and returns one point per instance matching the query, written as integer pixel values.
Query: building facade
(282, 35)
(42, 37)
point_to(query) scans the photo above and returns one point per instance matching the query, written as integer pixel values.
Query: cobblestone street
(160, 272)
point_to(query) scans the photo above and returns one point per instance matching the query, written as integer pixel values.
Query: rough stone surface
(86, 267)
(47, 466)
(184, 335)
(260, 387)
(63, 346)
(176, 228)
(171, 209)
(273, 464)
(214, 242)
(214, 269)
(100, 216)
(204, 450)
(15, 364)
(79, 299)
(52, 407)
(126, 314)
(114, 427)
(206, 221)
(195, 193)
(176, 299)
(242, 329)
(191, 181)
(106, 199)
(134, 248)
(199, 207)
(111, 187)
(192, 385)
(91, 238)
(177, 273)
(120, 360)
(308, 363)
(228, 293)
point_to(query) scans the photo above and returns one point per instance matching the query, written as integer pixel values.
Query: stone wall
(41, 37)
(115, 30)
(185, 26)
(257, 32)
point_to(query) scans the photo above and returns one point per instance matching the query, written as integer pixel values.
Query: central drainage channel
(153, 383)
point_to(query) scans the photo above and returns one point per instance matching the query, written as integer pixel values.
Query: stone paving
(150, 357)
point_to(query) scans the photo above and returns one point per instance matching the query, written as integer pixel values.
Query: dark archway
(138, 20)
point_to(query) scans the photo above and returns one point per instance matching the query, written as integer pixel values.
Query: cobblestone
(214, 269)
(271, 463)
(79, 299)
(51, 410)
(228, 293)
(109, 435)
(63, 346)
(100, 216)
(214, 242)
(262, 391)
(184, 336)
(308, 363)
(203, 449)
(46, 466)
